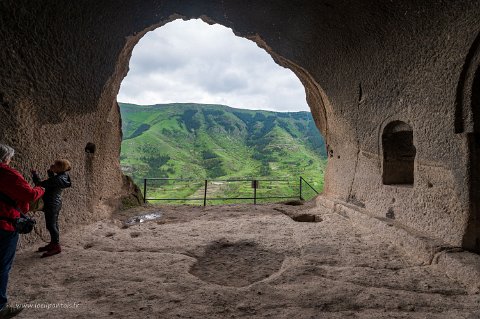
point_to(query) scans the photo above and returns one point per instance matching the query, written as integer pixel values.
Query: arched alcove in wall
(476, 102)
(398, 154)
(472, 237)
(464, 115)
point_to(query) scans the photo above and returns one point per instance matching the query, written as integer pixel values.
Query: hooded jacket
(54, 185)
(17, 188)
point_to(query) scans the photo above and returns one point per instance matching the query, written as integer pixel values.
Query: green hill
(196, 141)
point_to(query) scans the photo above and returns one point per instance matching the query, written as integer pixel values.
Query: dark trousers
(8, 246)
(51, 220)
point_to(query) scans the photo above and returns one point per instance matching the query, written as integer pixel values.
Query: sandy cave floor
(239, 261)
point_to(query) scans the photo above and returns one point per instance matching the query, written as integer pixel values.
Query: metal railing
(255, 186)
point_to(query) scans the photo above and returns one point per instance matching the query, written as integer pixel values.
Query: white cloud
(191, 61)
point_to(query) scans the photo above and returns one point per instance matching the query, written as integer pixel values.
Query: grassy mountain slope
(195, 141)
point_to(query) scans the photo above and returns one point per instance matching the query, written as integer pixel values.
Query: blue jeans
(8, 246)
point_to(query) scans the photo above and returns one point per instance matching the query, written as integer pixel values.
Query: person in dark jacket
(14, 186)
(57, 181)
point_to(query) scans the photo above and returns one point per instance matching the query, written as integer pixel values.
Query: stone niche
(364, 64)
(398, 154)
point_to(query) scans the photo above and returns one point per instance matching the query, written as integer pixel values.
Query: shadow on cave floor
(234, 261)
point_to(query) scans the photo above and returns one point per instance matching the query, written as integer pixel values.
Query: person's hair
(6, 153)
(63, 164)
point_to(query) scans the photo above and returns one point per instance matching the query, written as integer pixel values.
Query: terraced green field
(197, 142)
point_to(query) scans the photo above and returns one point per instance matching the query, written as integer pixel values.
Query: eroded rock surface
(329, 270)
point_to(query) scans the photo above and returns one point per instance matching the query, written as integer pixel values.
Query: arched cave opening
(398, 154)
(215, 107)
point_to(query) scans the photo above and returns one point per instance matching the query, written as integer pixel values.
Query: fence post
(255, 183)
(301, 197)
(205, 194)
(144, 190)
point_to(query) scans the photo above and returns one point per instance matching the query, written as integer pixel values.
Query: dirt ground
(239, 261)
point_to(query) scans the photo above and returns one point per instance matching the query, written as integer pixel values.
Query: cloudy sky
(191, 61)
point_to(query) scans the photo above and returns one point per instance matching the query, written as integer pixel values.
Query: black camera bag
(23, 224)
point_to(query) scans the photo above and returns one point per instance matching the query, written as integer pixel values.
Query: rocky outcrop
(132, 195)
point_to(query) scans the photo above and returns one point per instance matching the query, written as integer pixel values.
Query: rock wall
(363, 64)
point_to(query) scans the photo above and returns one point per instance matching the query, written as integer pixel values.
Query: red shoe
(45, 248)
(54, 249)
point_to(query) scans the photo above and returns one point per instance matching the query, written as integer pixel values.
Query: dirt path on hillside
(239, 261)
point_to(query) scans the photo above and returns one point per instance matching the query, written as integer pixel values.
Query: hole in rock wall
(90, 148)
(398, 154)
(200, 103)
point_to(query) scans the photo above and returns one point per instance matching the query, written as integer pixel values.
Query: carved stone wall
(364, 64)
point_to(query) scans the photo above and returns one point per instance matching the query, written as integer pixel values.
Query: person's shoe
(54, 249)
(9, 312)
(45, 248)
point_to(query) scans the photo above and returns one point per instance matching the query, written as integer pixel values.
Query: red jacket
(17, 188)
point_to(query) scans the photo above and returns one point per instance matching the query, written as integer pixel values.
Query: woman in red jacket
(13, 185)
